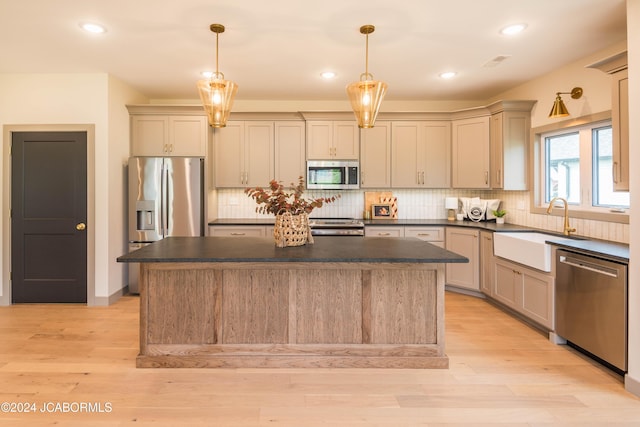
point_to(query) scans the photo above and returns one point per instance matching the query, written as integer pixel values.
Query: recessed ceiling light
(448, 75)
(327, 75)
(513, 29)
(207, 74)
(91, 27)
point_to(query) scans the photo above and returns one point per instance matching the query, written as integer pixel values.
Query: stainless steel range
(336, 227)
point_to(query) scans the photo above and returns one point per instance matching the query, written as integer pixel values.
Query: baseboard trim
(111, 299)
(632, 385)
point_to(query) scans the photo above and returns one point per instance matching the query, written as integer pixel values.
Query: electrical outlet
(520, 205)
(233, 201)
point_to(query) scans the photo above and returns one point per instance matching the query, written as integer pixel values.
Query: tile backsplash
(429, 204)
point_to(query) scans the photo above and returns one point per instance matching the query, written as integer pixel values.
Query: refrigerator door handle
(164, 206)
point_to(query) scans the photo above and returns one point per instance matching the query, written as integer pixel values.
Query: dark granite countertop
(614, 251)
(325, 249)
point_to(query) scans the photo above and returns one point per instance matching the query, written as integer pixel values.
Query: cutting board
(373, 197)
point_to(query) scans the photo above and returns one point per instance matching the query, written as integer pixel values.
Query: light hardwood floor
(502, 373)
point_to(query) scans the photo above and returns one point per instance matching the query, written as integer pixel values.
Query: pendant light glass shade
(366, 98)
(216, 93)
(217, 96)
(366, 95)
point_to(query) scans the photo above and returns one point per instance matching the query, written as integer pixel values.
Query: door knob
(81, 226)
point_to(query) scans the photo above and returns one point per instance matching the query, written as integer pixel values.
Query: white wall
(595, 84)
(83, 100)
(117, 153)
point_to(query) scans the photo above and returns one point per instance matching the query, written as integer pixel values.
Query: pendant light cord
(366, 58)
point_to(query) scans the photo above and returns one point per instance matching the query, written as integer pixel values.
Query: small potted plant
(291, 210)
(499, 214)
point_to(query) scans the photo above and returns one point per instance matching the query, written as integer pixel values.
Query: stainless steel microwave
(333, 175)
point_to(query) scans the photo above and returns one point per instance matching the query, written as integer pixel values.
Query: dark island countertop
(325, 249)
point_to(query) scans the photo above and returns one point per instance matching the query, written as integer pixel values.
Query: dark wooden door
(48, 217)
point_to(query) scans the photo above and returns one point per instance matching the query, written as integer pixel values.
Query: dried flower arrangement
(275, 200)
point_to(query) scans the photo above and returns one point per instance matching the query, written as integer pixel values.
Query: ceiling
(276, 49)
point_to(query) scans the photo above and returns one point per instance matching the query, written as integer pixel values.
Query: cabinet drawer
(430, 234)
(384, 231)
(243, 231)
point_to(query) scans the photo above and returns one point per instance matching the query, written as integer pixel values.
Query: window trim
(536, 175)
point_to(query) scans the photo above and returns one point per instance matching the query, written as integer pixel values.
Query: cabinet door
(537, 297)
(435, 154)
(228, 142)
(258, 153)
(346, 140)
(405, 140)
(149, 135)
(188, 136)
(465, 243)
(486, 262)
(505, 287)
(620, 126)
(289, 151)
(497, 171)
(375, 156)
(470, 153)
(509, 142)
(319, 140)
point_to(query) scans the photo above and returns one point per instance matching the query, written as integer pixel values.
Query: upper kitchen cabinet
(420, 154)
(289, 151)
(332, 140)
(509, 140)
(244, 154)
(168, 131)
(375, 156)
(470, 152)
(616, 66)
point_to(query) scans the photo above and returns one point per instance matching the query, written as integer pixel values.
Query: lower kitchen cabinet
(240, 230)
(525, 290)
(464, 242)
(486, 262)
(433, 235)
(384, 231)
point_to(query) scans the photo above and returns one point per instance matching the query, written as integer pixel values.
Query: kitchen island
(224, 302)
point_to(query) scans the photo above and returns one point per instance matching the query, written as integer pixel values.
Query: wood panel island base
(358, 302)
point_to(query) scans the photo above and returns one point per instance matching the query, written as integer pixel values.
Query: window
(577, 166)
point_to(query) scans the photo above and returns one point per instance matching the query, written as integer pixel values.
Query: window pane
(562, 163)
(603, 194)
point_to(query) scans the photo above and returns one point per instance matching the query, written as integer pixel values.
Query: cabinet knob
(81, 226)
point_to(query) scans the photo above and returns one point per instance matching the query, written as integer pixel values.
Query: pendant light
(217, 93)
(366, 95)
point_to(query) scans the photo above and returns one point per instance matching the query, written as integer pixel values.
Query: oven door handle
(584, 265)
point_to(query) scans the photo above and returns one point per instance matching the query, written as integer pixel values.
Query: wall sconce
(366, 95)
(559, 109)
(217, 93)
(451, 203)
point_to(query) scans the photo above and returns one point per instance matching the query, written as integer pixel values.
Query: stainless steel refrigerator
(166, 198)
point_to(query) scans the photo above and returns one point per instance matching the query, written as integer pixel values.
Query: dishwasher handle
(585, 265)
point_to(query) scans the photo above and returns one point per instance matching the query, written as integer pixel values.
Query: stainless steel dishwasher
(591, 305)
